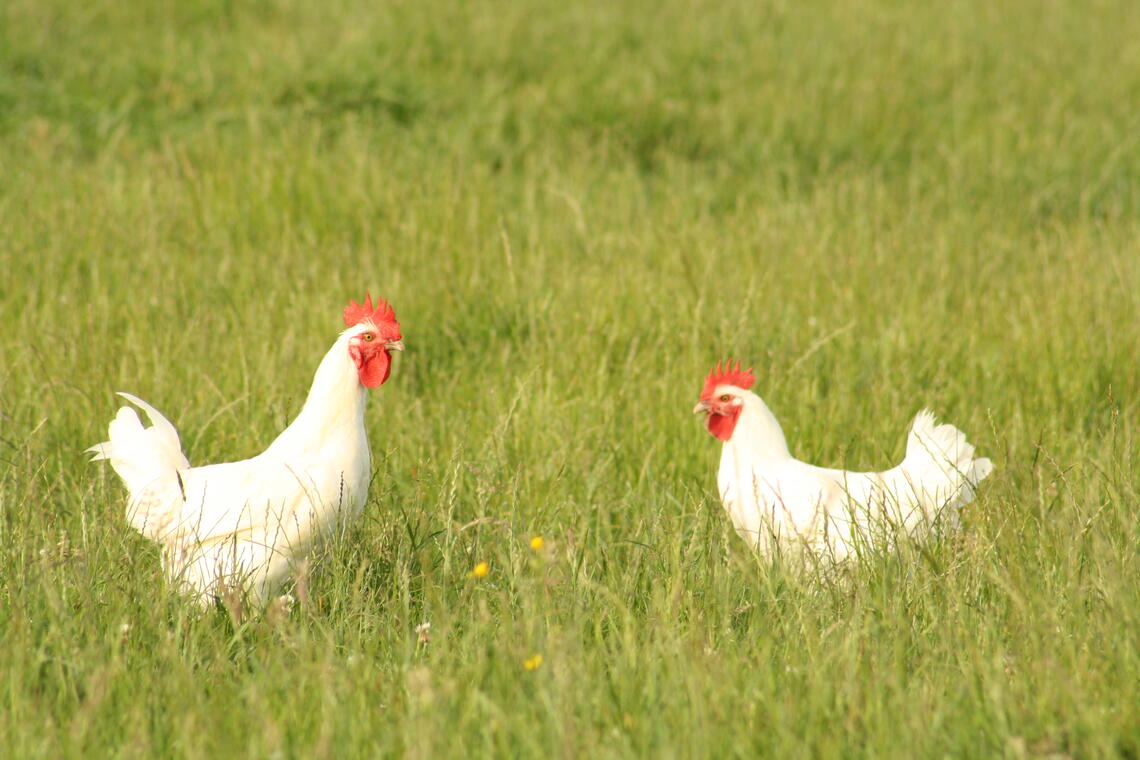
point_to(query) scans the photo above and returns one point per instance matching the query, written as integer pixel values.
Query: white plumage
(777, 502)
(246, 524)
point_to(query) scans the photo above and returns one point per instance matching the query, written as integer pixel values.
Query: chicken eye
(725, 398)
(368, 337)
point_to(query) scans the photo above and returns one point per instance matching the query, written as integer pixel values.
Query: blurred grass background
(576, 210)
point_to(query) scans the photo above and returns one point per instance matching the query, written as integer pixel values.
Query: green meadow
(576, 209)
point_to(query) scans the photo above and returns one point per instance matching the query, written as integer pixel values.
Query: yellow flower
(481, 570)
(537, 543)
(532, 662)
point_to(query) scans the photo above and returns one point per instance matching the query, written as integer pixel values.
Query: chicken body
(246, 524)
(777, 502)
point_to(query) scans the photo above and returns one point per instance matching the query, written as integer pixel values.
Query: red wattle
(374, 369)
(722, 425)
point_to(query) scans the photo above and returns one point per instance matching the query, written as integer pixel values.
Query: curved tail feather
(148, 460)
(940, 463)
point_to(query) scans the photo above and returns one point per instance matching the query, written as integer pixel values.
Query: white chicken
(777, 503)
(245, 525)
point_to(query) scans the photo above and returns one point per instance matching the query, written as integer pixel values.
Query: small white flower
(279, 609)
(124, 629)
(285, 603)
(423, 631)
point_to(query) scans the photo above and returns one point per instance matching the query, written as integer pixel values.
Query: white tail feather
(940, 464)
(141, 455)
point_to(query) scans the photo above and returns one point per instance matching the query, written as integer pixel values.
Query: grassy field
(576, 209)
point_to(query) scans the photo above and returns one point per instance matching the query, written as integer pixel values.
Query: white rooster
(246, 524)
(777, 502)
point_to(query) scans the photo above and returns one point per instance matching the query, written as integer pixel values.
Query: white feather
(777, 502)
(246, 524)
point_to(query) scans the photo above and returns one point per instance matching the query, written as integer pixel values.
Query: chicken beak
(394, 345)
(702, 406)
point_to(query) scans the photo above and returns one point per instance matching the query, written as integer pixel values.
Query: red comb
(728, 375)
(356, 313)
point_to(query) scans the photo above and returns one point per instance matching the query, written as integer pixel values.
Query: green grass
(576, 209)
